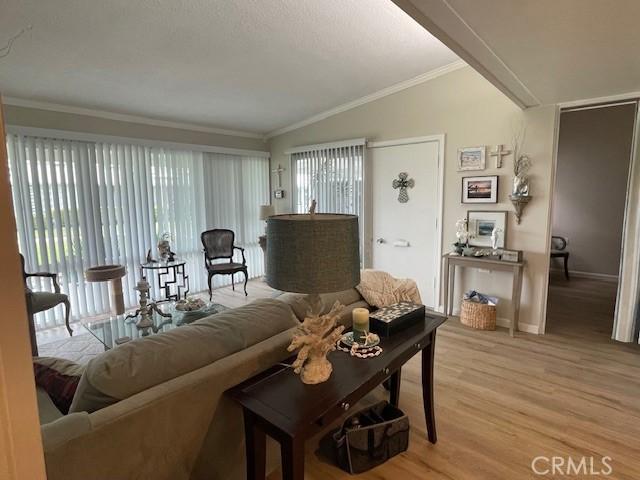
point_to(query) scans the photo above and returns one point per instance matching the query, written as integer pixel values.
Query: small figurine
(495, 237)
(462, 235)
(164, 248)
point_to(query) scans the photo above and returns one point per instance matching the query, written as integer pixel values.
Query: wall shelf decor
(519, 202)
(278, 192)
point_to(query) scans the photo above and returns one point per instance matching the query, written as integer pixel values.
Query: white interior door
(406, 235)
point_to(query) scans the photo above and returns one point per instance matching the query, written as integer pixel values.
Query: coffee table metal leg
(394, 387)
(256, 448)
(292, 451)
(427, 388)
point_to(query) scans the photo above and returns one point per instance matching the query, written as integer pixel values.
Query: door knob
(381, 240)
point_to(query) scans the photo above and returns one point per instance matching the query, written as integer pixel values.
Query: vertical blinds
(333, 176)
(79, 204)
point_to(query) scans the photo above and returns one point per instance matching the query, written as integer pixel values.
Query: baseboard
(506, 322)
(522, 327)
(595, 276)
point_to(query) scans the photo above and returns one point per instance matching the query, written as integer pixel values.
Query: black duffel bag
(368, 438)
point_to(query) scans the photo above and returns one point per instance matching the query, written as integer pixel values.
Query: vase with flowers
(462, 236)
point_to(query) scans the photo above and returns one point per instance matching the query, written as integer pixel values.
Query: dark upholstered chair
(559, 250)
(219, 243)
(41, 301)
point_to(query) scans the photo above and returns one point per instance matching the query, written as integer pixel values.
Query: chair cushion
(224, 267)
(145, 362)
(41, 301)
(59, 378)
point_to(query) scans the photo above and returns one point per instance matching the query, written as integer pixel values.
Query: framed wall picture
(472, 158)
(480, 189)
(481, 225)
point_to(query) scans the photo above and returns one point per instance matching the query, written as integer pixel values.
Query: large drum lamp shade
(316, 253)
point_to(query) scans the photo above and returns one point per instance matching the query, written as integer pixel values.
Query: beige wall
(594, 149)
(31, 117)
(470, 111)
(20, 444)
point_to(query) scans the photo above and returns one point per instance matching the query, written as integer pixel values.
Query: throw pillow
(59, 378)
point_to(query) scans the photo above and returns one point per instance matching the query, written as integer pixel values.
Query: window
(83, 203)
(333, 175)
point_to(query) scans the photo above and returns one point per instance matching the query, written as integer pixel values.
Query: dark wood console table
(277, 403)
(515, 268)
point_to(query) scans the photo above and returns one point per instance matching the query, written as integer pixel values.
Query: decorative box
(388, 320)
(511, 255)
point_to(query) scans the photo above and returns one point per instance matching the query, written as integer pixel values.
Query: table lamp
(312, 254)
(266, 211)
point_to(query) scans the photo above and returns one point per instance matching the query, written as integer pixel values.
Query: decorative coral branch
(316, 336)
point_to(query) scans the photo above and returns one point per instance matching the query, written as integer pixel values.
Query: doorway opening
(595, 148)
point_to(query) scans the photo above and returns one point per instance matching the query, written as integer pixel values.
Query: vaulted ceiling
(251, 65)
(541, 51)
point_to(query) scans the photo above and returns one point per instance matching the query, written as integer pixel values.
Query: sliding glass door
(80, 204)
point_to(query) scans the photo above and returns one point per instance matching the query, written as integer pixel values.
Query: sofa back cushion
(143, 363)
(299, 305)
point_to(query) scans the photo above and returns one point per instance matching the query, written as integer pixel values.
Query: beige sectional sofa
(155, 408)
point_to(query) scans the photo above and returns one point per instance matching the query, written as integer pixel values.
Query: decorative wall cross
(499, 153)
(402, 183)
(279, 171)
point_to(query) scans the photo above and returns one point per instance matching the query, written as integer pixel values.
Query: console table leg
(394, 387)
(255, 440)
(427, 388)
(292, 451)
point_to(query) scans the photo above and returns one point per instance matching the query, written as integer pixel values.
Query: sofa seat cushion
(143, 363)
(299, 305)
(47, 410)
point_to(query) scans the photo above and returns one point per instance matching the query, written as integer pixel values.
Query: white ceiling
(251, 65)
(542, 51)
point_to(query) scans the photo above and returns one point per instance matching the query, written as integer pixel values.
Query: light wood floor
(502, 401)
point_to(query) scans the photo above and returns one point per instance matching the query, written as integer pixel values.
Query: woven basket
(478, 315)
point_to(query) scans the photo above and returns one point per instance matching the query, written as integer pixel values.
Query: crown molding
(425, 77)
(123, 117)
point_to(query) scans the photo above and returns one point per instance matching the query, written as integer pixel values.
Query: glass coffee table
(118, 329)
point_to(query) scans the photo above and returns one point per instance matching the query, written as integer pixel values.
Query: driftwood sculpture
(317, 336)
